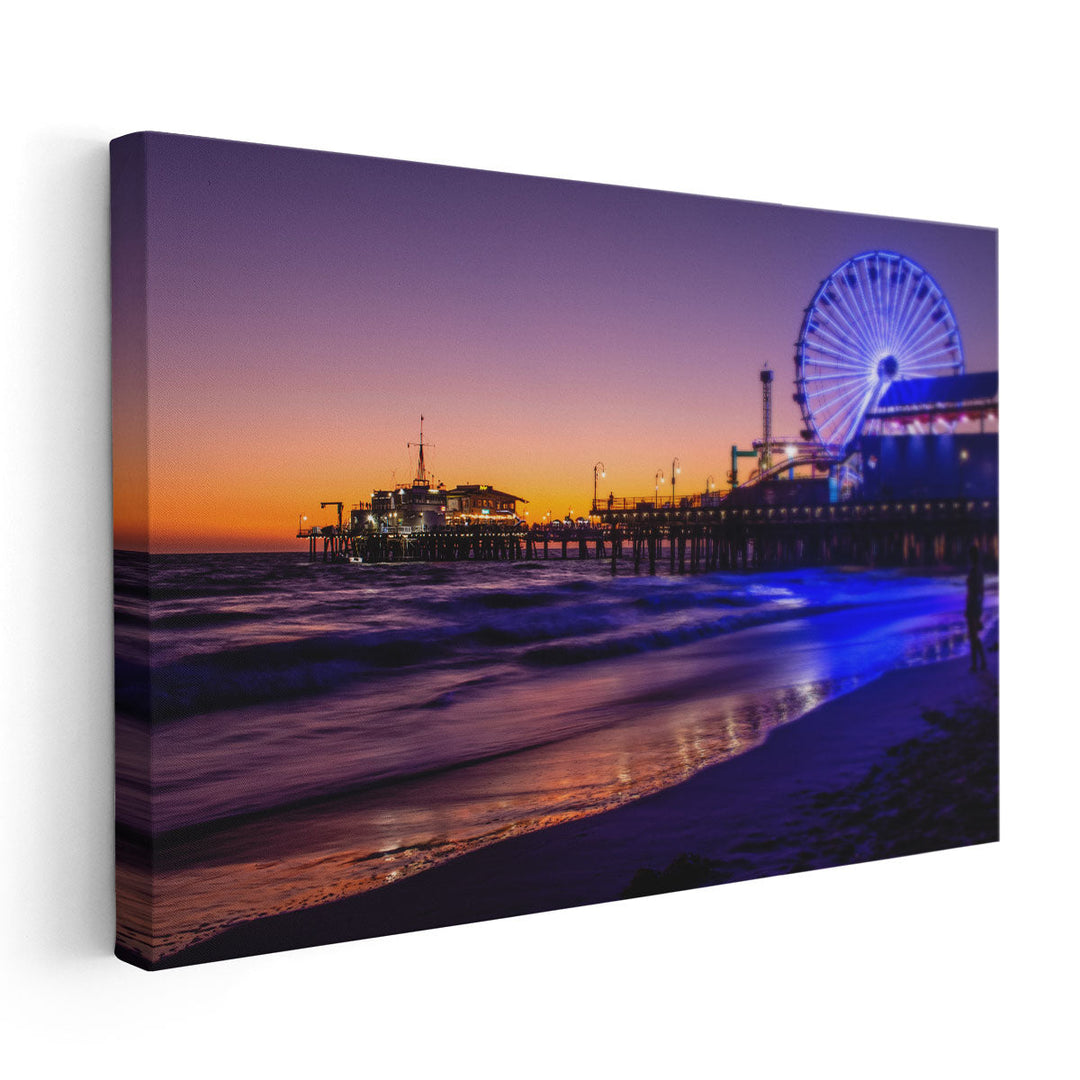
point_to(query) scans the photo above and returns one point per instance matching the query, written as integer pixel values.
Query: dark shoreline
(774, 810)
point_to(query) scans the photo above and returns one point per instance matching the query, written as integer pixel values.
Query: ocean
(318, 729)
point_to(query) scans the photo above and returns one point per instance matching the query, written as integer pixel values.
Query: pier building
(928, 438)
(421, 506)
(481, 502)
(415, 508)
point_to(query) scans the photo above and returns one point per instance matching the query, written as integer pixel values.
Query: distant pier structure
(700, 536)
(896, 463)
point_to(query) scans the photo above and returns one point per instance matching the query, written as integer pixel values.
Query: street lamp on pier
(597, 471)
(659, 481)
(300, 524)
(676, 468)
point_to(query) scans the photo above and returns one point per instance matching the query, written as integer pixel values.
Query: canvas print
(490, 544)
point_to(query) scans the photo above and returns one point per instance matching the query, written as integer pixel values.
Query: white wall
(941, 965)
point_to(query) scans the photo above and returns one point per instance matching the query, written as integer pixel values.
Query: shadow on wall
(62, 654)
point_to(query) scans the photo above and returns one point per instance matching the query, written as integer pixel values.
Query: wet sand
(770, 811)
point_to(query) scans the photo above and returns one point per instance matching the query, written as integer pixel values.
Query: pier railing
(652, 502)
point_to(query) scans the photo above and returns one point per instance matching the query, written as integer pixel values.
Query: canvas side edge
(128, 259)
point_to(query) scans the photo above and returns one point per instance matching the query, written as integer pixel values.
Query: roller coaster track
(816, 459)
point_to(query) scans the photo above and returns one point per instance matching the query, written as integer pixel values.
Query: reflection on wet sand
(211, 878)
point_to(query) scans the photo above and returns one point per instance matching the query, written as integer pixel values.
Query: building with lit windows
(480, 502)
(932, 438)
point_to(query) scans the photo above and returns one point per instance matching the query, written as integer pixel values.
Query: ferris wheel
(877, 318)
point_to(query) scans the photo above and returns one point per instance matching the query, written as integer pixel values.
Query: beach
(318, 732)
(864, 775)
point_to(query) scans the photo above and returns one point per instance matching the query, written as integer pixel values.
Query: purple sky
(306, 307)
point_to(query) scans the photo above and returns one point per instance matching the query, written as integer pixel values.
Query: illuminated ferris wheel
(877, 318)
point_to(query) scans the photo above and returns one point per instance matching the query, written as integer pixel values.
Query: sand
(787, 805)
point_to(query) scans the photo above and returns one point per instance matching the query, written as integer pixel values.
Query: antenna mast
(421, 474)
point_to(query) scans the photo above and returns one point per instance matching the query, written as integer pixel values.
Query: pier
(688, 539)
(894, 466)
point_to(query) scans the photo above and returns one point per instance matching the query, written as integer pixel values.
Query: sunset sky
(304, 308)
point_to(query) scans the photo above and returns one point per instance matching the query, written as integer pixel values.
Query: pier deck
(910, 532)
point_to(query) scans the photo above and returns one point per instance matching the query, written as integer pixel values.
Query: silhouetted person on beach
(974, 607)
